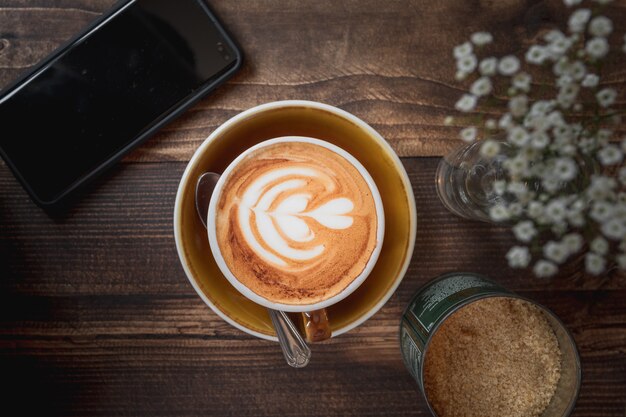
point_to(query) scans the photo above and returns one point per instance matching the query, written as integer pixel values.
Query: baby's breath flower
(556, 252)
(578, 70)
(539, 140)
(534, 209)
(601, 211)
(516, 209)
(508, 65)
(488, 66)
(490, 148)
(610, 155)
(537, 55)
(460, 75)
(518, 257)
(462, 50)
(614, 228)
(599, 245)
(481, 38)
(525, 231)
(578, 20)
(565, 169)
(469, 134)
(606, 97)
(481, 87)
(499, 187)
(499, 213)
(466, 103)
(506, 121)
(518, 105)
(448, 121)
(590, 81)
(622, 175)
(597, 47)
(573, 242)
(545, 269)
(556, 211)
(467, 63)
(558, 47)
(521, 81)
(491, 124)
(518, 136)
(600, 26)
(594, 264)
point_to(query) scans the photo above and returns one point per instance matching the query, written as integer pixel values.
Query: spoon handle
(296, 351)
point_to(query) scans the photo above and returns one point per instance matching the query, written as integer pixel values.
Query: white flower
(490, 148)
(448, 121)
(469, 134)
(539, 140)
(599, 245)
(499, 213)
(556, 252)
(555, 211)
(466, 103)
(462, 50)
(518, 105)
(561, 66)
(565, 169)
(601, 187)
(537, 55)
(499, 187)
(578, 20)
(535, 209)
(594, 264)
(508, 65)
(460, 75)
(597, 47)
(488, 66)
(600, 26)
(622, 175)
(518, 257)
(481, 87)
(481, 38)
(601, 211)
(525, 231)
(518, 136)
(491, 124)
(573, 242)
(467, 64)
(610, 155)
(558, 47)
(621, 261)
(578, 70)
(606, 97)
(521, 81)
(545, 269)
(551, 184)
(570, 3)
(590, 81)
(614, 229)
(506, 121)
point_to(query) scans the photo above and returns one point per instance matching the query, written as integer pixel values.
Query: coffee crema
(296, 222)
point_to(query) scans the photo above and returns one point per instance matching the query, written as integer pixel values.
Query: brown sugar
(494, 357)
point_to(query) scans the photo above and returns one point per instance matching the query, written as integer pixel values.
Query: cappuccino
(296, 222)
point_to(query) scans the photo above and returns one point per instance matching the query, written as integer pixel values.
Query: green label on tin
(429, 307)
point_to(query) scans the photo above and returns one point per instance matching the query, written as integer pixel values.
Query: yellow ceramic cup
(310, 119)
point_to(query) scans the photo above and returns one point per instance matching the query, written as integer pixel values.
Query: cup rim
(304, 104)
(257, 298)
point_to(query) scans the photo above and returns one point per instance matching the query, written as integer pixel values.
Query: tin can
(445, 295)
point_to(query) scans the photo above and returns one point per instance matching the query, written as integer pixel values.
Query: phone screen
(105, 90)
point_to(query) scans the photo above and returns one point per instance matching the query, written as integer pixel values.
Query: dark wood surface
(96, 315)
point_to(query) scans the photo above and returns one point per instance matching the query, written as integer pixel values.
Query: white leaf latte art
(288, 214)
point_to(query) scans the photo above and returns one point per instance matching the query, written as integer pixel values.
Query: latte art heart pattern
(288, 220)
(296, 222)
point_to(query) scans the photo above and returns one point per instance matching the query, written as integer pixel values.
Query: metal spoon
(295, 349)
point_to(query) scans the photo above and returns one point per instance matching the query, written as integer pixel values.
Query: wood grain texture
(98, 318)
(389, 62)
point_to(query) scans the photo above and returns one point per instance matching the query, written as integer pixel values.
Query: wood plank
(390, 65)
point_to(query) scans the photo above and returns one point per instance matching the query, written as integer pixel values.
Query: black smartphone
(130, 72)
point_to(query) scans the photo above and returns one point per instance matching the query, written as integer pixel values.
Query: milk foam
(296, 222)
(287, 218)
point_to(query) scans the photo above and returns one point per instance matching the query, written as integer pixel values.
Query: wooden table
(97, 317)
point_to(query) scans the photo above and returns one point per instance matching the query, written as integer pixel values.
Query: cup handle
(316, 326)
